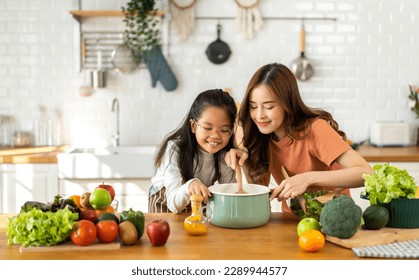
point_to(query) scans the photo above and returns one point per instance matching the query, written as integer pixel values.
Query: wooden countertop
(46, 154)
(274, 241)
(389, 154)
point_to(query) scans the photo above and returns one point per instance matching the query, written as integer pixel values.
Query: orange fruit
(107, 230)
(76, 199)
(311, 240)
(108, 209)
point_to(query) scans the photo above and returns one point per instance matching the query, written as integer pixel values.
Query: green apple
(100, 198)
(306, 224)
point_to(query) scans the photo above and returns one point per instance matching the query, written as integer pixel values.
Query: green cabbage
(38, 228)
(387, 183)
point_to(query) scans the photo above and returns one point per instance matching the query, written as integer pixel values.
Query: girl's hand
(197, 187)
(234, 154)
(291, 187)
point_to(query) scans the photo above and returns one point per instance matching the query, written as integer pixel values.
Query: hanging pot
(302, 67)
(218, 51)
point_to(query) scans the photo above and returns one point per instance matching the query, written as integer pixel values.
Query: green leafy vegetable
(38, 228)
(313, 207)
(387, 183)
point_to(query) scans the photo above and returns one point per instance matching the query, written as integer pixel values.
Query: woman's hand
(291, 187)
(234, 154)
(197, 187)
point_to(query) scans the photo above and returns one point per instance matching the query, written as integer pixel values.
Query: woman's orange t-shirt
(317, 152)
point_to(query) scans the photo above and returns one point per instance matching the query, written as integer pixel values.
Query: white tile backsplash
(363, 63)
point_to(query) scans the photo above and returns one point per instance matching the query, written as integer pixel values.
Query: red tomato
(83, 233)
(107, 231)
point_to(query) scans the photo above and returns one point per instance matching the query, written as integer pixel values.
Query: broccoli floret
(340, 217)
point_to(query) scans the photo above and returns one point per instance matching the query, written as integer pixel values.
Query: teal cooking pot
(244, 210)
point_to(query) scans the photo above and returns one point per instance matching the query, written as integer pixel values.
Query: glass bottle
(41, 127)
(5, 131)
(54, 129)
(197, 222)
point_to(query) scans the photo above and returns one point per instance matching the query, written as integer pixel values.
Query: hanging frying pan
(218, 51)
(302, 67)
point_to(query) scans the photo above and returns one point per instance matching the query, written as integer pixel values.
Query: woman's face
(212, 129)
(266, 111)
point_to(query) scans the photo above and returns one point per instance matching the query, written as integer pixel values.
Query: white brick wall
(363, 63)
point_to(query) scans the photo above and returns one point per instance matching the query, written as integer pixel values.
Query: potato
(128, 233)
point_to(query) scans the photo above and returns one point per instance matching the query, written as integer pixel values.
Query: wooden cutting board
(375, 237)
(69, 246)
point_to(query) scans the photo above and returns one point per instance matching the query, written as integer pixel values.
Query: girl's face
(266, 111)
(212, 129)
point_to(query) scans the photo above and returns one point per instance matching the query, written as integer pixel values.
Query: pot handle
(207, 213)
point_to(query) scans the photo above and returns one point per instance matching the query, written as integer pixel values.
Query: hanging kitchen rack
(273, 18)
(93, 41)
(104, 42)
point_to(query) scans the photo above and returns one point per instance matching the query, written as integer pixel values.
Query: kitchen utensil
(218, 51)
(122, 59)
(302, 67)
(322, 198)
(86, 88)
(99, 75)
(233, 210)
(69, 246)
(239, 179)
(329, 196)
(385, 235)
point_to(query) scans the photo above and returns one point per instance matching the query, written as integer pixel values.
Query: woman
(280, 130)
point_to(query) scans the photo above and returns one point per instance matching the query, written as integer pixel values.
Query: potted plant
(141, 27)
(142, 36)
(394, 188)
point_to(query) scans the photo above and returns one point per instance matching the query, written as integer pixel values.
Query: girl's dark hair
(186, 140)
(281, 82)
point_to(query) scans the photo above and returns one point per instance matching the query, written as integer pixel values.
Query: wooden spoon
(329, 196)
(238, 172)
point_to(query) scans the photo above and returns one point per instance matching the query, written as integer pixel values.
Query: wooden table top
(49, 154)
(275, 240)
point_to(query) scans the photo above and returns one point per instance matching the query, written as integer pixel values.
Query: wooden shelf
(78, 14)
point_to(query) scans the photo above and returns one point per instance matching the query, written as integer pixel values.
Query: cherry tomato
(107, 230)
(84, 233)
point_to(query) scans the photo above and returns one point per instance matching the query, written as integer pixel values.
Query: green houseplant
(142, 36)
(141, 27)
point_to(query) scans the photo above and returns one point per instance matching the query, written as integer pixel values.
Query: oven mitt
(159, 69)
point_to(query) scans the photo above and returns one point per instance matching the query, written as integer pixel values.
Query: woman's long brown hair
(298, 117)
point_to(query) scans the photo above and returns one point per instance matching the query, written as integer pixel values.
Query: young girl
(280, 130)
(191, 158)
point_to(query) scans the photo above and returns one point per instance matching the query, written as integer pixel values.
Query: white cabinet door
(131, 193)
(24, 182)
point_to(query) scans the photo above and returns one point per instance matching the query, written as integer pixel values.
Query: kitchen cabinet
(131, 193)
(23, 182)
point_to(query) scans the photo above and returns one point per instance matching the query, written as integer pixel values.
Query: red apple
(88, 214)
(158, 232)
(109, 188)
